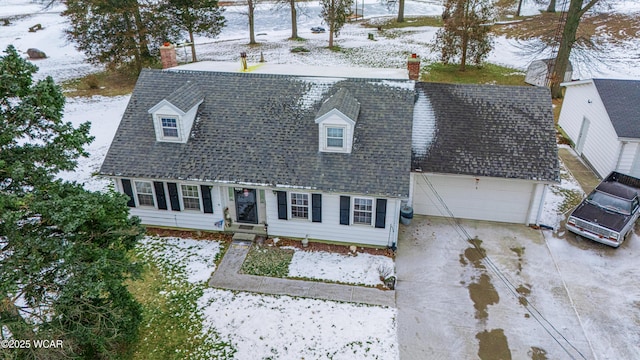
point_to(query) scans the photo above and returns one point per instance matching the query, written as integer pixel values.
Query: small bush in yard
(300, 49)
(267, 261)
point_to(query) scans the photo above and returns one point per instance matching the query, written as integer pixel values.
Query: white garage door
(467, 198)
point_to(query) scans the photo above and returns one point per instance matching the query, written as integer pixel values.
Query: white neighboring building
(602, 119)
(538, 72)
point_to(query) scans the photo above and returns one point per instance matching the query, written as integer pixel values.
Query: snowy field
(312, 329)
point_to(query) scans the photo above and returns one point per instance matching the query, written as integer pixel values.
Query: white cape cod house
(328, 157)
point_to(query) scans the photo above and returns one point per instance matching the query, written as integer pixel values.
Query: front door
(246, 209)
(582, 136)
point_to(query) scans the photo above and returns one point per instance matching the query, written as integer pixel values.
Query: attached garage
(479, 198)
(482, 152)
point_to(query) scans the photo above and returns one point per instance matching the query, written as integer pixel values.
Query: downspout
(620, 152)
(541, 206)
(392, 244)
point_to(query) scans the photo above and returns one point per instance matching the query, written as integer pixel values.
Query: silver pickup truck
(610, 211)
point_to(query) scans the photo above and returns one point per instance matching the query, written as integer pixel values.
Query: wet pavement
(460, 299)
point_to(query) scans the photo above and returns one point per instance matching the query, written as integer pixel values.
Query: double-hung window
(169, 127)
(190, 197)
(145, 193)
(335, 137)
(362, 211)
(299, 206)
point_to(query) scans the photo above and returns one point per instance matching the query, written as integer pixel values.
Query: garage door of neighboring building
(467, 197)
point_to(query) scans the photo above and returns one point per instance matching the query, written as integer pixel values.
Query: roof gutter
(577, 82)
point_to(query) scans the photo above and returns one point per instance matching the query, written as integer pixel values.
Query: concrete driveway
(514, 293)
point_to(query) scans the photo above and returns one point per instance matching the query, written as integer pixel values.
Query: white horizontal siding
(491, 199)
(635, 168)
(330, 228)
(188, 219)
(627, 159)
(179, 219)
(601, 146)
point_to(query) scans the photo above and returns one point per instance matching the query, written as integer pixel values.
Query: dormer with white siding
(173, 117)
(336, 121)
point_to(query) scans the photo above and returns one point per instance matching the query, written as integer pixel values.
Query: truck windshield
(609, 202)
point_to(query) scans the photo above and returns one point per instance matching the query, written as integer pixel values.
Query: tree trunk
(520, 7)
(552, 6)
(465, 36)
(463, 57)
(400, 11)
(332, 17)
(330, 35)
(564, 49)
(252, 35)
(143, 41)
(294, 20)
(134, 48)
(193, 46)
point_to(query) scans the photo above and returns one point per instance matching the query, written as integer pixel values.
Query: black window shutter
(160, 196)
(345, 208)
(126, 187)
(173, 196)
(316, 207)
(381, 212)
(206, 199)
(282, 205)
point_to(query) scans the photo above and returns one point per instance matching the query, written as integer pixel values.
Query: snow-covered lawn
(283, 327)
(352, 269)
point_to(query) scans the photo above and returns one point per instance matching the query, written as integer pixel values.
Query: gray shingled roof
(260, 129)
(486, 130)
(186, 96)
(342, 101)
(621, 98)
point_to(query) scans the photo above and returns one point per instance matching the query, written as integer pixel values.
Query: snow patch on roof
(424, 126)
(409, 84)
(317, 87)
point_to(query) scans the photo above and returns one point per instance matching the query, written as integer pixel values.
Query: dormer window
(169, 127)
(335, 137)
(174, 116)
(336, 121)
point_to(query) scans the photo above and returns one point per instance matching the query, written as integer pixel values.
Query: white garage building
(482, 152)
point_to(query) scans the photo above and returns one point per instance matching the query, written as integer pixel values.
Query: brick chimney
(168, 55)
(413, 65)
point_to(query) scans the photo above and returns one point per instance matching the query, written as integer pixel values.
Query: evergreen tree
(196, 17)
(112, 32)
(465, 33)
(334, 13)
(63, 250)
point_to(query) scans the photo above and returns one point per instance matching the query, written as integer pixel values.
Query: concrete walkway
(582, 173)
(227, 276)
